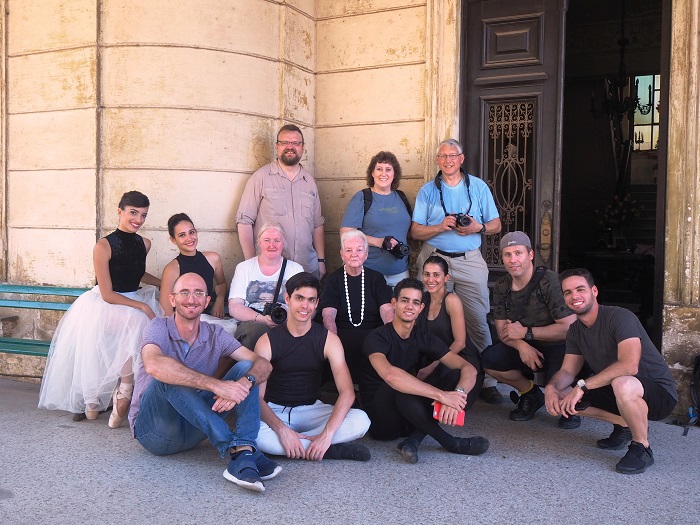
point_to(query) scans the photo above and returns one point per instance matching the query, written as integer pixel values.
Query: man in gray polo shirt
(178, 401)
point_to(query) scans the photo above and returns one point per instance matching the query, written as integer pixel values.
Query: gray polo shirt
(212, 343)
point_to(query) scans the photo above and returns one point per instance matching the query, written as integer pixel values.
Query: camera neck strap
(438, 183)
(279, 280)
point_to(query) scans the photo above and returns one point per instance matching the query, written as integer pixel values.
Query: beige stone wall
(51, 95)
(371, 88)
(180, 100)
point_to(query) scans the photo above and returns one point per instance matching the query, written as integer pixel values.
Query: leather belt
(450, 254)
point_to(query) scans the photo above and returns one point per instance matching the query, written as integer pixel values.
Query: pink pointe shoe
(91, 412)
(123, 391)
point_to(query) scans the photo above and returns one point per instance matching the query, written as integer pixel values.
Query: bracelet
(256, 316)
(460, 390)
(323, 260)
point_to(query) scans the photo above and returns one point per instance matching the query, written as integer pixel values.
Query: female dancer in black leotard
(99, 336)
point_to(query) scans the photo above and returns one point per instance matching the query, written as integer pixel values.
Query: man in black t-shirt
(294, 422)
(397, 402)
(631, 383)
(531, 320)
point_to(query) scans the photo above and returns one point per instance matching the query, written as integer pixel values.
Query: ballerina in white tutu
(207, 265)
(91, 359)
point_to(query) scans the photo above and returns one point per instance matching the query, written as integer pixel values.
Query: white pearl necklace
(347, 297)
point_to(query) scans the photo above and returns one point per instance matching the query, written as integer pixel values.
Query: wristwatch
(528, 334)
(460, 390)
(322, 260)
(582, 385)
(251, 378)
(483, 228)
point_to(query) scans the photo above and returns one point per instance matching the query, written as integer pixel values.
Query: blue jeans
(174, 418)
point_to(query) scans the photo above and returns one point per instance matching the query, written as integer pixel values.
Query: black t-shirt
(377, 293)
(407, 354)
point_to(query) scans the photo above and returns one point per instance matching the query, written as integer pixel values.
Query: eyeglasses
(286, 143)
(185, 294)
(451, 156)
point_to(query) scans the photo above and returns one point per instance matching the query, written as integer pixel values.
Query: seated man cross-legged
(631, 383)
(295, 422)
(532, 320)
(178, 402)
(400, 404)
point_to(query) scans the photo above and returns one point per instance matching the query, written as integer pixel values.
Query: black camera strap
(279, 280)
(438, 183)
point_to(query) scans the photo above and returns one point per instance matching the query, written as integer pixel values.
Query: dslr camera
(276, 311)
(400, 250)
(462, 219)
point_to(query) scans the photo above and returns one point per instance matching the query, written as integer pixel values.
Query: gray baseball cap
(515, 239)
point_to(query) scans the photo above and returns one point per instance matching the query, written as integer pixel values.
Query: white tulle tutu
(93, 343)
(229, 324)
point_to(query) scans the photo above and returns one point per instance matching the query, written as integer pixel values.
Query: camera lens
(463, 220)
(278, 315)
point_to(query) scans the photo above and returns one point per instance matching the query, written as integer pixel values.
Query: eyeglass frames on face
(185, 294)
(451, 156)
(286, 143)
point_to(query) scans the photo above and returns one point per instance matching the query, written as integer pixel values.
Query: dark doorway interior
(610, 189)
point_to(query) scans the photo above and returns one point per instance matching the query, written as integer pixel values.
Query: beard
(290, 161)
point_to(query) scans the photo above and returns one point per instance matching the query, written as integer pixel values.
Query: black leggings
(394, 414)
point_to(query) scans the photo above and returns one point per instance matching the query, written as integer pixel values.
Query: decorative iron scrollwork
(510, 166)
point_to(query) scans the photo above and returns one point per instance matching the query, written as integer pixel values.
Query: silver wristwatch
(582, 385)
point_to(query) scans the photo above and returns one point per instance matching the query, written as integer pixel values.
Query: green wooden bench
(35, 347)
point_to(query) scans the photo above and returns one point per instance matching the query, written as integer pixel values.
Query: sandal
(123, 391)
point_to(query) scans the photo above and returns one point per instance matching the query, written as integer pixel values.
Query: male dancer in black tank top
(399, 403)
(294, 422)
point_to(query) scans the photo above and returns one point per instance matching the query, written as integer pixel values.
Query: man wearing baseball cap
(532, 320)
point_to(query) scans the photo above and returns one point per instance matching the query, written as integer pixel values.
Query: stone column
(681, 309)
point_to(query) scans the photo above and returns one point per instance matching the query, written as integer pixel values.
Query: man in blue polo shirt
(452, 213)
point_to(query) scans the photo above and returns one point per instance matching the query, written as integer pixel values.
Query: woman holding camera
(251, 300)
(355, 299)
(383, 213)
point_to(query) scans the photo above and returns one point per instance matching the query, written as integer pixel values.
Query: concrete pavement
(54, 470)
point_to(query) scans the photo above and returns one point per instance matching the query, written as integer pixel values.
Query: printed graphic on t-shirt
(259, 293)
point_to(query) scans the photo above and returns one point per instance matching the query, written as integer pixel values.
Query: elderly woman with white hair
(251, 300)
(355, 299)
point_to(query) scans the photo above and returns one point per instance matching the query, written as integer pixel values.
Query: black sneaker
(351, 451)
(243, 471)
(569, 423)
(637, 459)
(473, 446)
(491, 395)
(618, 439)
(528, 404)
(409, 450)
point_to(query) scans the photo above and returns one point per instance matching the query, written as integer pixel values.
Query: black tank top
(297, 366)
(198, 264)
(128, 261)
(441, 326)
